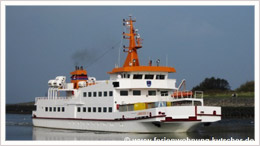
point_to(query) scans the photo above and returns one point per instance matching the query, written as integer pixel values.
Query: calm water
(235, 128)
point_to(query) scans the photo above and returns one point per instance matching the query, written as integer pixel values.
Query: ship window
(136, 92)
(84, 94)
(116, 84)
(99, 109)
(138, 76)
(89, 94)
(164, 93)
(122, 108)
(84, 109)
(94, 94)
(105, 93)
(50, 109)
(100, 94)
(148, 76)
(110, 109)
(63, 109)
(110, 93)
(123, 93)
(46, 109)
(152, 93)
(104, 109)
(89, 109)
(78, 109)
(58, 109)
(54, 109)
(94, 109)
(160, 77)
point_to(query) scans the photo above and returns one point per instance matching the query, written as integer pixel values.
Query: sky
(43, 42)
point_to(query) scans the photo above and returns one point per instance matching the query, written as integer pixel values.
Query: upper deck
(143, 69)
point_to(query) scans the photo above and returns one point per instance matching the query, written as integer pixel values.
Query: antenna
(166, 59)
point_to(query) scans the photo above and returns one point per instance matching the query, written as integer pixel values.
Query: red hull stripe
(115, 120)
(208, 115)
(190, 119)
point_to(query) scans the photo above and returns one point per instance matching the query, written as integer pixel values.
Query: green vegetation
(228, 94)
(220, 88)
(213, 85)
(247, 87)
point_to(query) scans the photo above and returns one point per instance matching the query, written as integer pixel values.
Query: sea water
(19, 127)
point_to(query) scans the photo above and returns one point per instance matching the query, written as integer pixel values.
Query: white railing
(198, 93)
(57, 98)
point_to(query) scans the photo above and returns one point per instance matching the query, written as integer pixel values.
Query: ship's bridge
(142, 79)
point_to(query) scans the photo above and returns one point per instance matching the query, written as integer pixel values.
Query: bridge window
(58, 109)
(94, 109)
(46, 109)
(89, 94)
(78, 109)
(63, 109)
(50, 109)
(148, 76)
(54, 109)
(138, 76)
(152, 93)
(89, 109)
(124, 93)
(164, 93)
(84, 109)
(160, 77)
(136, 92)
(94, 94)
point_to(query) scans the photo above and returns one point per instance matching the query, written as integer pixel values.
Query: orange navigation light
(134, 43)
(78, 75)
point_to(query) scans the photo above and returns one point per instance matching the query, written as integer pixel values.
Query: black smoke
(84, 57)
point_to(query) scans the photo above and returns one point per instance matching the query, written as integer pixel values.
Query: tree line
(218, 84)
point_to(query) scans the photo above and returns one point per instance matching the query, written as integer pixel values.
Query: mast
(134, 43)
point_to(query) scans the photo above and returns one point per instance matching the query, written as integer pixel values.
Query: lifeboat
(177, 94)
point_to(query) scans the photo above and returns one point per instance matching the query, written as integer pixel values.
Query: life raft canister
(182, 94)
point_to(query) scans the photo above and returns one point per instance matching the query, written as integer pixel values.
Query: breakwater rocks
(230, 101)
(238, 112)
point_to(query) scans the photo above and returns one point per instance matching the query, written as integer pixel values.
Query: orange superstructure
(132, 61)
(78, 75)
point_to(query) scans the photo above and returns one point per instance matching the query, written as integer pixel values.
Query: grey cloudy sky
(43, 42)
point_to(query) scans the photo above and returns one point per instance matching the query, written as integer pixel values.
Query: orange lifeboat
(182, 94)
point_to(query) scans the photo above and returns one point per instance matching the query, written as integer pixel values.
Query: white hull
(137, 126)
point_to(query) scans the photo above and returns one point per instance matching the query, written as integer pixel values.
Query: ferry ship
(136, 98)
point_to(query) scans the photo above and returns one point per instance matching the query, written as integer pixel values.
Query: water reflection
(223, 129)
(58, 134)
